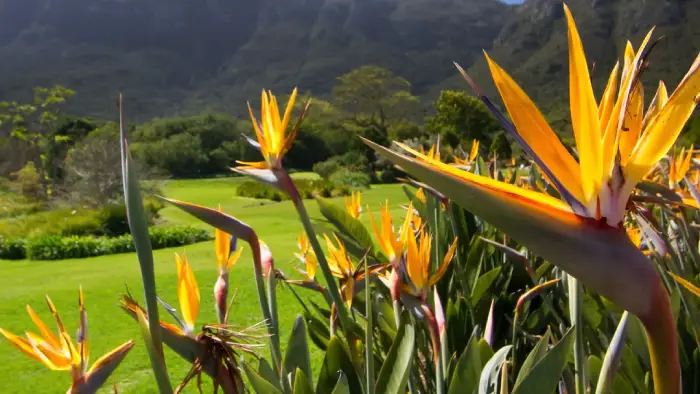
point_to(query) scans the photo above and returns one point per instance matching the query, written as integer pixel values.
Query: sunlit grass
(103, 278)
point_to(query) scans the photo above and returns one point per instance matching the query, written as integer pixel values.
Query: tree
(93, 167)
(33, 125)
(461, 118)
(373, 97)
(500, 146)
(194, 146)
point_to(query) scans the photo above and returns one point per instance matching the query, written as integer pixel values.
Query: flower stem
(435, 338)
(265, 306)
(575, 306)
(316, 246)
(662, 340)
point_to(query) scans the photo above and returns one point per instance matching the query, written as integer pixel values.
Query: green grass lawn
(104, 278)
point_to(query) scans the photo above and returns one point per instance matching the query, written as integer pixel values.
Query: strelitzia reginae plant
(60, 353)
(617, 144)
(211, 349)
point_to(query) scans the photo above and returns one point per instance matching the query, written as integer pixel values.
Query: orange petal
(584, 116)
(187, 292)
(22, 344)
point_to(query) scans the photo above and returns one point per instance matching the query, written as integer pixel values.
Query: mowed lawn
(104, 278)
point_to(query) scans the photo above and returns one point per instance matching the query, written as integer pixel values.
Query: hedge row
(53, 247)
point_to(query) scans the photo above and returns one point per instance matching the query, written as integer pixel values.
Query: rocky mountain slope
(178, 56)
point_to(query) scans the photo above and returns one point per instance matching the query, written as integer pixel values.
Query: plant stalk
(575, 309)
(662, 340)
(331, 283)
(369, 336)
(272, 298)
(264, 305)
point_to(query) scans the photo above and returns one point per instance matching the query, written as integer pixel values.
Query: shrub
(93, 168)
(54, 247)
(177, 236)
(257, 190)
(326, 168)
(12, 249)
(350, 178)
(28, 182)
(110, 220)
(389, 175)
(307, 188)
(121, 244)
(352, 161)
(12, 205)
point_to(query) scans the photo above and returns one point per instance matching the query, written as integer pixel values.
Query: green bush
(110, 221)
(12, 205)
(307, 188)
(114, 220)
(28, 182)
(389, 175)
(351, 179)
(177, 236)
(352, 161)
(55, 247)
(12, 249)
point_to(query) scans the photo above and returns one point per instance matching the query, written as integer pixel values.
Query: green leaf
(485, 351)
(594, 365)
(346, 224)
(613, 356)
(318, 331)
(301, 383)
(483, 283)
(545, 374)
(638, 340)
(466, 376)
(337, 360)
(265, 370)
(91, 382)
(297, 355)
(397, 365)
(157, 361)
(489, 374)
(534, 357)
(342, 386)
(257, 382)
(369, 336)
(138, 224)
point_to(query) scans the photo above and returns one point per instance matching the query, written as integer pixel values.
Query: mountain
(180, 56)
(532, 45)
(173, 55)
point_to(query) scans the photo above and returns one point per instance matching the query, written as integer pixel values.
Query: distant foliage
(93, 168)
(12, 248)
(307, 189)
(351, 161)
(27, 182)
(691, 133)
(460, 118)
(351, 179)
(500, 146)
(108, 220)
(32, 127)
(191, 147)
(55, 247)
